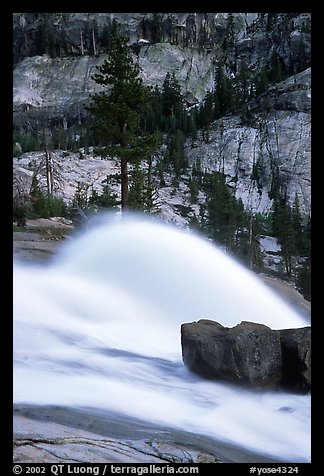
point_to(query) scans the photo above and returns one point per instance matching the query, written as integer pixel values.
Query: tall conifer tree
(117, 110)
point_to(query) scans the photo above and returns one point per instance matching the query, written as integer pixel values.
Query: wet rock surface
(58, 434)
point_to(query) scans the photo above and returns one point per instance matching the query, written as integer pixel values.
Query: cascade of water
(100, 327)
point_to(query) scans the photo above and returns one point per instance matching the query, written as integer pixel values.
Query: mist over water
(100, 327)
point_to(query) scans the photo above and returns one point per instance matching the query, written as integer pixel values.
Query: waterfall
(99, 327)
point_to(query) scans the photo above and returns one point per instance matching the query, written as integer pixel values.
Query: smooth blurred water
(100, 327)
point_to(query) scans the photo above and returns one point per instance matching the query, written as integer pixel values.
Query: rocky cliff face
(277, 141)
(56, 54)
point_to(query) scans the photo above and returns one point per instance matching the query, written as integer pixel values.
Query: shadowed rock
(296, 359)
(250, 354)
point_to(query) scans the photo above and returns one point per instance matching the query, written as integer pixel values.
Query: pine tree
(176, 153)
(275, 72)
(223, 92)
(117, 110)
(243, 83)
(283, 229)
(207, 115)
(171, 95)
(193, 129)
(296, 223)
(230, 30)
(304, 274)
(261, 81)
(107, 199)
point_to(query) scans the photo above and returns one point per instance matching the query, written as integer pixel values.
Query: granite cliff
(56, 54)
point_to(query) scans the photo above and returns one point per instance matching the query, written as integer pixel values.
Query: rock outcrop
(296, 359)
(249, 354)
(53, 434)
(275, 142)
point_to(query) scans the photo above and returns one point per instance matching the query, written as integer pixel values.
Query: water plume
(100, 327)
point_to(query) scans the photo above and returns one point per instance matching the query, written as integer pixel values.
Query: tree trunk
(94, 42)
(124, 184)
(251, 240)
(81, 41)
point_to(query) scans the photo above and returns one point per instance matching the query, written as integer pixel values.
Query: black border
(6, 183)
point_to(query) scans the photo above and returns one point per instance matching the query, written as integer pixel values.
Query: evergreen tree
(160, 167)
(221, 208)
(243, 84)
(193, 128)
(230, 31)
(171, 95)
(283, 229)
(207, 115)
(107, 199)
(117, 110)
(303, 280)
(261, 81)
(142, 193)
(296, 223)
(194, 189)
(275, 71)
(304, 273)
(176, 154)
(223, 92)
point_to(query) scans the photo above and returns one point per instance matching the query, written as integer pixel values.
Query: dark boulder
(296, 359)
(248, 353)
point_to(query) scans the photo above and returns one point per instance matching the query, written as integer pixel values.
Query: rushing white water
(100, 327)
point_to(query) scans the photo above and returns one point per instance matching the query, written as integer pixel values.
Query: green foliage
(43, 205)
(17, 150)
(243, 84)
(287, 227)
(109, 31)
(81, 196)
(171, 94)
(224, 211)
(27, 141)
(257, 174)
(19, 212)
(223, 218)
(303, 281)
(107, 199)
(117, 110)
(230, 31)
(261, 81)
(166, 111)
(224, 93)
(276, 68)
(197, 173)
(193, 185)
(176, 156)
(160, 168)
(193, 129)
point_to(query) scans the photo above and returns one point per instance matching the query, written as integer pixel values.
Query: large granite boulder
(296, 359)
(250, 354)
